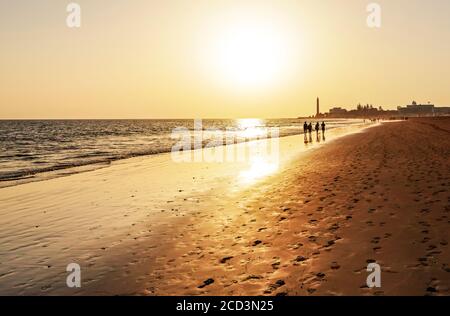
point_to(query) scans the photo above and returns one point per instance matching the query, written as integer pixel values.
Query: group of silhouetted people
(307, 128)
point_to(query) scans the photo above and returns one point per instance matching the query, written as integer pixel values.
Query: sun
(251, 54)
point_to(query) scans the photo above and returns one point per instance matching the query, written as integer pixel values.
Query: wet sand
(148, 227)
(380, 196)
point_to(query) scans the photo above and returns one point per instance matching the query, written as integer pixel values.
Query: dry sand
(309, 229)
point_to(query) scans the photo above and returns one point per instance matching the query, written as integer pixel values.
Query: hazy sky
(187, 59)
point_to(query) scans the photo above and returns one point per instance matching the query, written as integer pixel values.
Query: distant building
(444, 110)
(337, 111)
(370, 111)
(415, 109)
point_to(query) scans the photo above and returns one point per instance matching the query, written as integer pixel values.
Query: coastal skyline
(218, 60)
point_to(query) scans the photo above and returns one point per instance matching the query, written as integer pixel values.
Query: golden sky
(219, 59)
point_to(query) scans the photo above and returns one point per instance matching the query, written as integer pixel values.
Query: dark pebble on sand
(257, 242)
(206, 283)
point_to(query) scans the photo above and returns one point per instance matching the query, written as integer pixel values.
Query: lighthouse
(318, 107)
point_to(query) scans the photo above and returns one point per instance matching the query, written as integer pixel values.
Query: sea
(30, 149)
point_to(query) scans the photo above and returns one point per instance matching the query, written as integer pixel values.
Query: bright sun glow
(259, 168)
(251, 54)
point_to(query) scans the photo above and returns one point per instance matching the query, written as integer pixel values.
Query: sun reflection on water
(251, 128)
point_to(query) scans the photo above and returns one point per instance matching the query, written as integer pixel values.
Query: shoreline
(62, 171)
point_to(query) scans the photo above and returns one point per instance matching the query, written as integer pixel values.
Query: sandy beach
(147, 226)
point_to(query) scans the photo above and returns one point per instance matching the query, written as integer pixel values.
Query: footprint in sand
(274, 286)
(300, 259)
(252, 277)
(225, 259)
(311, 290)
(431, 247)
(320, 275)
(375, 240)
(276, 265)
(334, 227)
(335, 265)
(423, 261)
(256, 243)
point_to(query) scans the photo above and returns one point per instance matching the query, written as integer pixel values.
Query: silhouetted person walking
(305, 128)
(310, 127)
(317, 128)
(323, 127)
